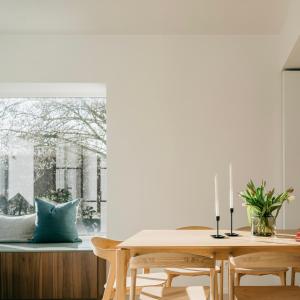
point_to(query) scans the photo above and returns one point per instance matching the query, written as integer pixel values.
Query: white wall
(179, 109)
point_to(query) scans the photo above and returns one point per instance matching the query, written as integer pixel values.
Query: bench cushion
(48, 247)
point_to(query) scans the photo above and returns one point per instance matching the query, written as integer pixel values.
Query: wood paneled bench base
(75, 273)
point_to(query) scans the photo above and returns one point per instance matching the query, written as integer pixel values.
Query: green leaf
(261, 203)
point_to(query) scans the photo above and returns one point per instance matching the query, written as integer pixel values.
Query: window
(54, 148)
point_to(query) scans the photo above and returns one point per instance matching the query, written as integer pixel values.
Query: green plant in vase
(263, 207)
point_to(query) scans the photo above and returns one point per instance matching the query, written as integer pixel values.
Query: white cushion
(16, 229)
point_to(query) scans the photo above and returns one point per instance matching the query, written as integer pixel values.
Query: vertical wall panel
(291, 127)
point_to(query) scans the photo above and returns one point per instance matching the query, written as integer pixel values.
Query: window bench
(51, 271)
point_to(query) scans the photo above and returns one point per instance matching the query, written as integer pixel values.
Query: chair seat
(260, 271)
(190, 271)
(267, 293)
(175, 293)
(149, 279)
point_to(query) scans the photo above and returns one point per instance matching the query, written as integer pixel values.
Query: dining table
(197, 242)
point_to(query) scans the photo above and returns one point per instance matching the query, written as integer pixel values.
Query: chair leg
(216, 287)
(113, 294)
(238, 277)
(108, 293)
(170, 279)
(109, 288)
(231, 285)
(212, 284)
(133, 284)
(221, 280)
(282, 276)
(293, 275)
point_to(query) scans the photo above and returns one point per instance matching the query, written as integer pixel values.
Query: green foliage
(16, 206)
(3, 205)
(262, 203)
(58, 196)
(87, 216)
(88, 212)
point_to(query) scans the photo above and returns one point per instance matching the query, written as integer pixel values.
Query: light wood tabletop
(197, 242)
(175, 239)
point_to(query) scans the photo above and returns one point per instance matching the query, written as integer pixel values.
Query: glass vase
(263, 226)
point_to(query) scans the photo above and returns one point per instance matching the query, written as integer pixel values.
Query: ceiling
(142, 16)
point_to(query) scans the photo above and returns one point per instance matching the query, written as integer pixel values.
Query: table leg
(121, 274)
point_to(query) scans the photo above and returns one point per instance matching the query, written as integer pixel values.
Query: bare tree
(48, 122)
(81, 122)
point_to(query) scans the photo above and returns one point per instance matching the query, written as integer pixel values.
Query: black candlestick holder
(231, 233)
(218, 235)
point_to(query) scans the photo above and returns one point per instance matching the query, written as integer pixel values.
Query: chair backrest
(168, 260)
(265, 260)
(194, 228)
(105, 248)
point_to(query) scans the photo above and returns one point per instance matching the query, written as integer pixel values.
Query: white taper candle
(216, 196)
(230, 187)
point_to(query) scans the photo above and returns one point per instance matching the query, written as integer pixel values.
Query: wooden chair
(263, 260)
(175, 272)
(177, 260)
(106, 249)
(293, 275)
(240, 272)
(294, 270)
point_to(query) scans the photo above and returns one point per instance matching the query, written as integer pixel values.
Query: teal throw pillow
(56, 223)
